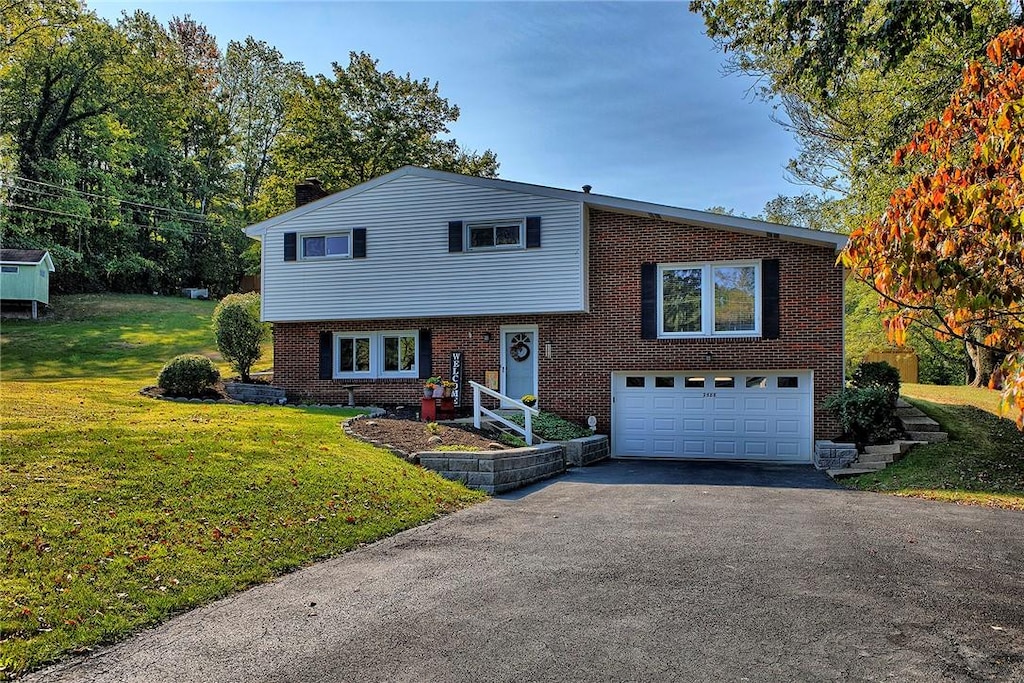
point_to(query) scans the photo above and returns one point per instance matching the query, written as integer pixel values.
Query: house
(25, 279)
(686, 334)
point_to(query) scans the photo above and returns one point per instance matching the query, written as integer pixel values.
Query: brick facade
(586, 348)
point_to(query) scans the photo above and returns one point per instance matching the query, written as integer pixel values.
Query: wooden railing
(478, 410)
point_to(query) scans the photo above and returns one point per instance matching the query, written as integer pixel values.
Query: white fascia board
(631, 206)
(45, 259)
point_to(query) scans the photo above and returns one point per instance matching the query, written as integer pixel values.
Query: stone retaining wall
(254, 393)
(497, 471)
(586, 450)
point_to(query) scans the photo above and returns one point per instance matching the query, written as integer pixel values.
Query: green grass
(982, 464)
(117, 511)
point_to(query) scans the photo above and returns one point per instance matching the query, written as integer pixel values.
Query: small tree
(236, 322)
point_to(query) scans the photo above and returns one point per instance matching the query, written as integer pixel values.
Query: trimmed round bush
(236, 323)
(189, 375)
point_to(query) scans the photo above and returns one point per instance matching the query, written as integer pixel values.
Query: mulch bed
(411, 436)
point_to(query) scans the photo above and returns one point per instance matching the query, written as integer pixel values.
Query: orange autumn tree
(948, 253)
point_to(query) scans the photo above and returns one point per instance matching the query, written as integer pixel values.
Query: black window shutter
(533, 232)
(649, 301)
(770, 299)
(455, 236)
(289, 246)
(326, 355)
(359, 243)
(426, 369)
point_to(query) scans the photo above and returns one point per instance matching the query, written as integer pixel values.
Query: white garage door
(741, 415)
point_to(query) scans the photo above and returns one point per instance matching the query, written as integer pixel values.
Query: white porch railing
(478, 409)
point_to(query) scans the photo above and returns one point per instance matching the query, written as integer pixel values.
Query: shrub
(188, 375)
(550, 427)
(236, 322)
(880, 375)
(511, 440)
(866, 414)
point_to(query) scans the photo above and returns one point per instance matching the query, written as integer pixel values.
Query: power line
(64, 188)
(191, 231)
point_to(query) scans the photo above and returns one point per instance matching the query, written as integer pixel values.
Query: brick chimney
(309, 190)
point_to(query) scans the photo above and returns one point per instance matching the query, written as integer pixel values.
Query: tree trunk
(984, 360)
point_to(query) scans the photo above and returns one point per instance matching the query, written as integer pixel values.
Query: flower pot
(438, 392)
(428, 392)
(447, 392)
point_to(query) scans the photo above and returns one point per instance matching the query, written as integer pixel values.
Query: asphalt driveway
(629, 571)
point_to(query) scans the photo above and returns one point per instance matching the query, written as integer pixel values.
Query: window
(694, 383)
(757, 383)
(376, 354)
(499, 235)
(635, 382)
(664, 382)
(789, 382)
(8, 269)
(709, 299)
(399, 352)
(332, 245)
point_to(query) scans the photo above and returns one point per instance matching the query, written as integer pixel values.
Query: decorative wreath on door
(519, 347)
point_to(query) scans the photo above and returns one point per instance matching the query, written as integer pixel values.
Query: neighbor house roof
(26, 257)
(598, 201)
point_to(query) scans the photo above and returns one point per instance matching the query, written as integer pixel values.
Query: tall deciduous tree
(255, 82)
(362, 123)
(949, 250)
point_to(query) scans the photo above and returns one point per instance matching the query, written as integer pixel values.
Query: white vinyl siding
(409, 271)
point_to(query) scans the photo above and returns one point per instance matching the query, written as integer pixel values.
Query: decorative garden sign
(456, 366)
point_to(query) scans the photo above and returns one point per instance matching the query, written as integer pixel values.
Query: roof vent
(587, 189)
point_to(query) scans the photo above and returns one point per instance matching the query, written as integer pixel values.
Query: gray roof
(619, 204)
(22, 255)
(27, 257)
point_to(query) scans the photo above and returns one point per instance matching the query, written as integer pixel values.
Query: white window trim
(302, 237)
(467, 234)
(707, 299)
(376, 355)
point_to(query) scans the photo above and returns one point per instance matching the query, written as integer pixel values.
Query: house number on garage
(709, 394)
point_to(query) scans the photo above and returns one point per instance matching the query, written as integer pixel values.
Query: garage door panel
(789, 404)
(724, 426)
(724, 403)
(750, 420)
(755, 404)
(664, 424)
(755, 427)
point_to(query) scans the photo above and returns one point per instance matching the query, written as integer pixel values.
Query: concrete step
(930, 437)
(919, 424)
(906, 444)
(849, 472)
(871, 464)
(884, 449)
(869, 459)
(909, 411)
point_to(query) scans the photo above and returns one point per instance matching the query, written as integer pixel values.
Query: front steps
(918, 426)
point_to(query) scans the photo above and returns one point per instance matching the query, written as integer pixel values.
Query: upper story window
(376, 354)
(496, 235)
(9, 269)
(328, 245)
(709, 299)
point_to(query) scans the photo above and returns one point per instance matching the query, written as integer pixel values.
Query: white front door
(519, 361)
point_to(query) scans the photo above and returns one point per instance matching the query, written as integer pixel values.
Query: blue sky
(628, 97)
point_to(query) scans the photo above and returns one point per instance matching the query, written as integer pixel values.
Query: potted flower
(432, 387)
(529, 400)
(447, 385)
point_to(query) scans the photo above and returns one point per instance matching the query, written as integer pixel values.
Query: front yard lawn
(117, 511)
(982, 464)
